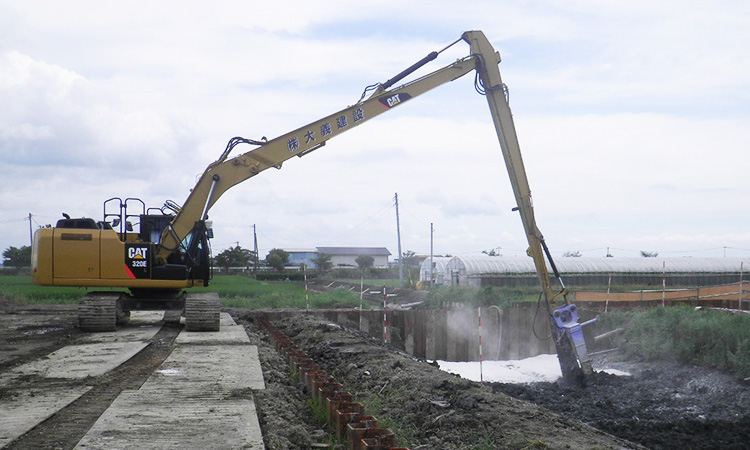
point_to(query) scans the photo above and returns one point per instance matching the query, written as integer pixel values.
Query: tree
(646, 254)
(365, 261)
(411, 263)
(492, 252)
(410, 259)
(235, 257)
(323, 262)
(17, 257)
(277, 258)
(575, 254)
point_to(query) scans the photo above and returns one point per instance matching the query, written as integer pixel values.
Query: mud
(662, 405)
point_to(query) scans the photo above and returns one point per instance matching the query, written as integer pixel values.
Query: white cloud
(632, 118)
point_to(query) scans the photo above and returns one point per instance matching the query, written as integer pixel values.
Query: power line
(7, 221)
(364, 223)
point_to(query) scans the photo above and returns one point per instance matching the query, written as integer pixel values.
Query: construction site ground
(661, 406)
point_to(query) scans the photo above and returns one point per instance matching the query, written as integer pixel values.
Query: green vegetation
(318, 410)
(234, 291)
(708, 338)
(243, 292)
(17, 257)
(20, 288)
(235, 257)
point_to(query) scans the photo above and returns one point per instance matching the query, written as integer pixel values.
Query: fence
(733, 295)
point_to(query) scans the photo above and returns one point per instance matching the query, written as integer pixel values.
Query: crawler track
(98, 311)
(202, 312)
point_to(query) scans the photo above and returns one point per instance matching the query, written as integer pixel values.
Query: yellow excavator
(170, 251)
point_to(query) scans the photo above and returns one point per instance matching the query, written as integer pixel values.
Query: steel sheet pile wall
(453, 335)
(346, 416)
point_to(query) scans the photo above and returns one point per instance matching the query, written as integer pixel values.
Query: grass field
(234, 291)
(708, 338)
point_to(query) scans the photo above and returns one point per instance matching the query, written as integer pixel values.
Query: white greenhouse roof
(475, 265)
(441, 263)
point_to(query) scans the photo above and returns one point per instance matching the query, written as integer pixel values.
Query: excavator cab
(120, 251)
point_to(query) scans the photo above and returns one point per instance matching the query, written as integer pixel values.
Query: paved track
(197, 392)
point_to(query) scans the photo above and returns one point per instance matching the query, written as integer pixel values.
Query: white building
(347, 256)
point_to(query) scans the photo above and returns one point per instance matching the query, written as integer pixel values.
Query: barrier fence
(733, 295)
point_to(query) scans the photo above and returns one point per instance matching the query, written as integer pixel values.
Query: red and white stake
(385, 317)
(307, 296)
(481, 377)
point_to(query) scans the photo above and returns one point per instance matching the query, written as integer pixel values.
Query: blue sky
(633, 120)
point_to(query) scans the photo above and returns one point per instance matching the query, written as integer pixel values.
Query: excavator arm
(227, 172)
(563, 315)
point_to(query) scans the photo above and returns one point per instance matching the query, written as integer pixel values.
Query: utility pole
(255, 248)
(31, 234)
(400, 256)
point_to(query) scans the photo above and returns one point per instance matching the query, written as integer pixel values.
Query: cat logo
(137, 252)
(393, 100)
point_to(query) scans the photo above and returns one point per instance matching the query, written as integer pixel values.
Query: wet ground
(662, 405)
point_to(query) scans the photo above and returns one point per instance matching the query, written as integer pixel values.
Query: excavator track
(101, 311)
(202, 312)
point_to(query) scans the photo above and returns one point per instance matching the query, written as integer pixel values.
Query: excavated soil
(661, 406)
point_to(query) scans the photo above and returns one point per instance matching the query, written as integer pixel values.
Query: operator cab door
(76, 253)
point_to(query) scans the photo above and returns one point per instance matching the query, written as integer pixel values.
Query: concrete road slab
(139, 420)
(97, 353)
(214, 368)
(78, 361)
(200, 397)
(22, 411)
(224, 359)
(229, 333)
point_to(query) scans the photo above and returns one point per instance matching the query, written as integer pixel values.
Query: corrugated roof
(474, 265)
(441, 262)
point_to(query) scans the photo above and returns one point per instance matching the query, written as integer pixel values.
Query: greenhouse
(439, 271)
(519, 271)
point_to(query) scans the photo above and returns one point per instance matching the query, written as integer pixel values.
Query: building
(299, 256)
(484, 271)
(340, 256)
(440, 274)
(347, 256)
